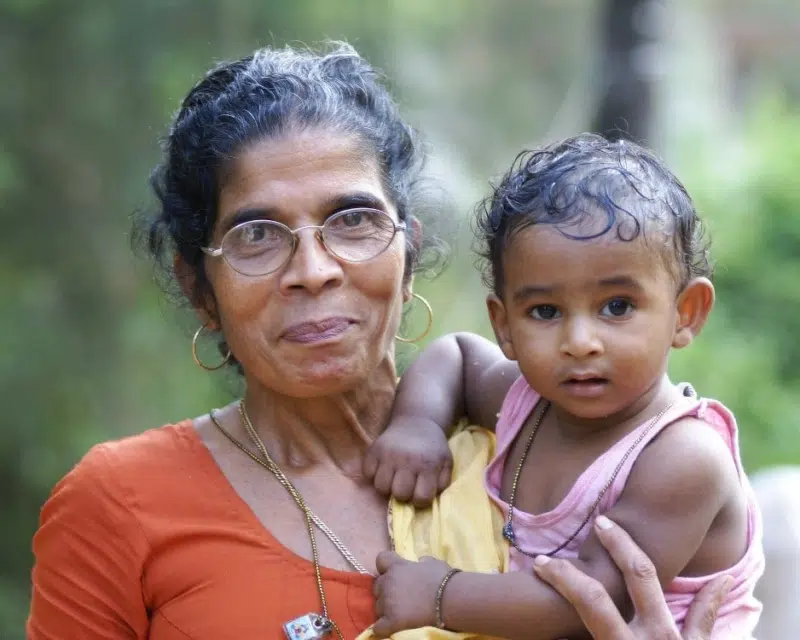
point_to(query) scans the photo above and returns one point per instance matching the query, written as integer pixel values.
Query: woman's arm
(458, 375)
(88, 559)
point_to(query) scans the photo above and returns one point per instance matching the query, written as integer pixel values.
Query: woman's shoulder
(121, 469)
(98, 527)
(155, 447)
(172, 440)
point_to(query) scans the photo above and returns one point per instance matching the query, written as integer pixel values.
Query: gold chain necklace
(278, 472)
(308, 626)
(508, 529)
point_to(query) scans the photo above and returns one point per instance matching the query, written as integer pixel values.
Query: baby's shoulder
(688, 455)
(693, 432)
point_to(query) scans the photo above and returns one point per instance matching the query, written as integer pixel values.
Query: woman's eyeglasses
(259, 247)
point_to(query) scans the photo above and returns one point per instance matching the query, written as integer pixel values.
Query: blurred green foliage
(92, 351)
(749, 354)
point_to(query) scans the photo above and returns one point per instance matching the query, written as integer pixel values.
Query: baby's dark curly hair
(580, 179)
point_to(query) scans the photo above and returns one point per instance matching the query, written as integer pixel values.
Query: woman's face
(317, 325)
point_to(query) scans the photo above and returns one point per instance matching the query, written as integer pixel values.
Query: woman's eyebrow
(355, 200)
(246, 215)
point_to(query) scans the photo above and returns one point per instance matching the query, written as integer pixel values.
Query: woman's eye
(353, 219)
(350, 219)
(356, 224)
(255, 233)
(263, 233)
(544, 312)
(617, 308)
(257, 236)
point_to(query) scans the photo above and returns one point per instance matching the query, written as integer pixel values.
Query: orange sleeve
(89, 553)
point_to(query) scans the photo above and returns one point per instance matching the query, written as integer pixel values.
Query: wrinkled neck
(335, 429)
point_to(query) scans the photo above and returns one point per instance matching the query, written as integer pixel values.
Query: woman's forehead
(299, 171)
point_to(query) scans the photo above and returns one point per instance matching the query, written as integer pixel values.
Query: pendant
(307, 627)
(508, 533)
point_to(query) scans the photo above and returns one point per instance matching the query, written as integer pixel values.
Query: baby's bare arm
(683, 486)
(458, 375)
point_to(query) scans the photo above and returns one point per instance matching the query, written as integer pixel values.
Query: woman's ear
(414, 232)
(694, 306)
(205, 309)
(408, 290)
(499, 320)
(414, 236)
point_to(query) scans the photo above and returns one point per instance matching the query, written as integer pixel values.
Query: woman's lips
(317, 331)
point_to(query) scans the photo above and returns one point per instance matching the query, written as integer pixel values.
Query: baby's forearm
(518, 605)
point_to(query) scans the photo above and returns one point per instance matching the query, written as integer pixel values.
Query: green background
(91, 350)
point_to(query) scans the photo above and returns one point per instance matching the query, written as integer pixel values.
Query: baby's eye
(545, 312)
(617, 308)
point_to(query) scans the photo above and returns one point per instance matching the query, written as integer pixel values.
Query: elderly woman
(287, 217)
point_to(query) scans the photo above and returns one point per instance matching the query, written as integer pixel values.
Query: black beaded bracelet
(439, 622)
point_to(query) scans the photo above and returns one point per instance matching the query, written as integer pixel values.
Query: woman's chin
(328, 375)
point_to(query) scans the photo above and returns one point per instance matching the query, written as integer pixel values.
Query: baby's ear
(499, 320)
(694, 306)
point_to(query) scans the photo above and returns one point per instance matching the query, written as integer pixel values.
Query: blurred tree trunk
(627, 40)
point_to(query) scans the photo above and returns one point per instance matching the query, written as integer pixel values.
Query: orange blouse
(145, 538)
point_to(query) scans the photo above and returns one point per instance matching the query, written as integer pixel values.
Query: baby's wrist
(441, 623)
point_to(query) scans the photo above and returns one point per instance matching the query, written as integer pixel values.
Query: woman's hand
(652, 618)
(410, 461)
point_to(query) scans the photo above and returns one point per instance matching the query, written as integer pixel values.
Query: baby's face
(591, 322)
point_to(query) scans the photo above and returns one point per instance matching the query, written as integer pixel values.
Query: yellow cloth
(462, 527)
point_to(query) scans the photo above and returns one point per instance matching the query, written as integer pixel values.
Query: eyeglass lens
(259, 247)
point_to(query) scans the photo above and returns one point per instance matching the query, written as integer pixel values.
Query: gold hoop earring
(196, 358)
(427, 326)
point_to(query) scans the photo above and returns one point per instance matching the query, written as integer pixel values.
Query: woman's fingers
(597, 610)
(587, 595)
(702, 615)
(640, 575)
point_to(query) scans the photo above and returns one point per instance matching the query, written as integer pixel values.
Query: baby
(598, 269)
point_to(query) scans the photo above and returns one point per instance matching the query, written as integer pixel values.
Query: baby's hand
(410, 461)
(405, 593)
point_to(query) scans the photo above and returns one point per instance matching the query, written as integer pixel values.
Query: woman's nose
(312, 267)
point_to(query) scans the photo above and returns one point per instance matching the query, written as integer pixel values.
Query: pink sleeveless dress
(544, 532)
